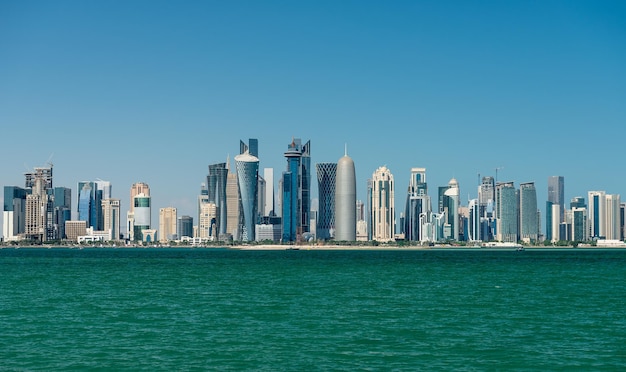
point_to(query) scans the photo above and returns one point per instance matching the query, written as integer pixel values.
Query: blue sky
(154, 91)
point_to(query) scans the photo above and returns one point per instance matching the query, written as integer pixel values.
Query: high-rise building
(345, 200)
(14, 212)
(556, 194)
(203, 198)
(382, 213)
(247, 177)
(105, 187)
(90, 204)
(612, 217)
(506, 212)
(486, 196)
(167, 224)
(474, 221)
(528, 212)
(553, 223)
(39, 210)
(251, 148)
(268, 175)
(208, 221)
(111, 217)
(233, 206)
(296, 194)
(451, 203)
(579, 224)
(577, 202)
(326, 180)
(136, 189)
(62, 204)
(142, 216)
(622, 218)
(216, 181)
(184, 227)
(596, 216)
(417, 204)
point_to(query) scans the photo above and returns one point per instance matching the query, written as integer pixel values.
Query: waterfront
(164, 309)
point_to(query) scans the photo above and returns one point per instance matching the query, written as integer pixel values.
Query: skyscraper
(268, 175)
(142, 215)
(417, 204)
(111, 217)
(451, 203)
(506, 212)
(474, 221)
(596, 214)
(232, 206)
(39, 210)
(579, 224)
(382, 213)
(90, 204)
(528, 212)
(136, 188)
(184, 227)
(247, 176)
(216, 181)
(208, 221)
(345, 200)
(167, 224)
(326, 181)
(296, 186)
(62, 204)
(612, 217)
(556, 194)
(252, 147)
(14, 212)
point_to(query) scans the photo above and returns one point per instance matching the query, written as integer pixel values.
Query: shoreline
(329, 247)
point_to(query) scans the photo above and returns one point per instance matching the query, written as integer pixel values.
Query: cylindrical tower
(247, 174)
(345, 200)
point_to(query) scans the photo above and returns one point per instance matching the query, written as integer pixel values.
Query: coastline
(313, 247)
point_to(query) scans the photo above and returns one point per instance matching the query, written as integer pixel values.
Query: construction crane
(497, 169)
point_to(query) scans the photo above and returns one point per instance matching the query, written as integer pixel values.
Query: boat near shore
(503, 245)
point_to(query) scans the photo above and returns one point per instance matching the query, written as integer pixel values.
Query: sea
(199, 309)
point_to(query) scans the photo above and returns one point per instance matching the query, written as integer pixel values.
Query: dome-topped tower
(345, 200)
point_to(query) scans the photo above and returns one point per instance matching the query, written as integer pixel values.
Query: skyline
(535, 90)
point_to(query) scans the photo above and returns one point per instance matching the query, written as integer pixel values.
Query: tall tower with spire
(345, 199)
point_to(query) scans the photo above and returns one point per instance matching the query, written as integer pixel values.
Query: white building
(382, 212)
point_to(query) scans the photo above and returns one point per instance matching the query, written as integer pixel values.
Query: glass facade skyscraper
(90, 204)
(529, 224)
(417, 204)
(247, 176)
(556, 193)
(326, 182)
(506, 212)
(216, 183)
(296, 186)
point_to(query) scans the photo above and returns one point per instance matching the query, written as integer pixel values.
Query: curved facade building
(345, 200)
(247, 175)
(326, 176)
(451, 207)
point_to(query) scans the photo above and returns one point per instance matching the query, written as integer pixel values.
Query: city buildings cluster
(238, 204)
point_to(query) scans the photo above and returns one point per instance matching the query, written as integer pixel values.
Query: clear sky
(154, 91)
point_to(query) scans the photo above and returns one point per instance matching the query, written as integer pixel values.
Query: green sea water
(212, 309)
